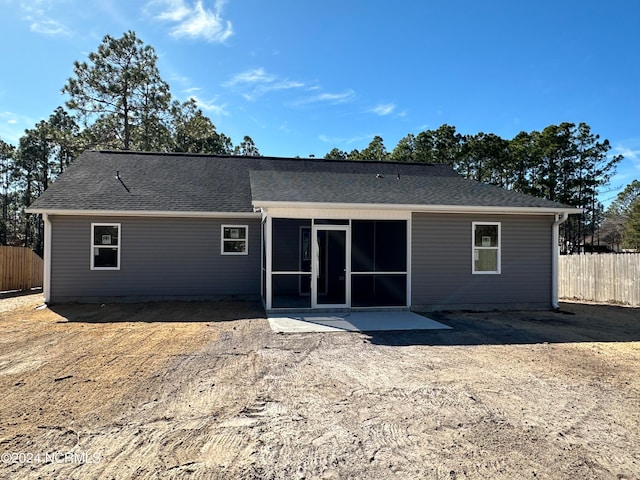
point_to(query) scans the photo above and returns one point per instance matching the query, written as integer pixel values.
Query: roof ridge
(265, 157)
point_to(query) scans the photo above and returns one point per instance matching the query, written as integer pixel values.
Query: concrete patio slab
(351, 322)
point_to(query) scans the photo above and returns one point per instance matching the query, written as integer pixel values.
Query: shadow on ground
(20, 293)
(573, 323)
(184, 312)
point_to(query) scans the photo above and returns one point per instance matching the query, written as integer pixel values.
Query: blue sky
(303, 77)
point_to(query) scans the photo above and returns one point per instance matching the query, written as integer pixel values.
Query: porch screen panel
(379, 290)
(290, 263)
(378, 263)
(363, 246)
(288, 291)
(391, 246)
(291, 245)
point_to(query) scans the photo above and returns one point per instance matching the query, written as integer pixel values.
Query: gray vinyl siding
(159, 258)
(441, 263)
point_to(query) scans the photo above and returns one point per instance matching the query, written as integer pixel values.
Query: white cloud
(192, 19)
(175, 11)
(285, 85)
(257, 75)
(345, 140)
(12, 126)
(629, 154)
(285, 128)
(48, 26)
(258, 122)
(256, 82)
(175, 77)
(37, 13)
(210, 106)
(332, 98)
(383, 109)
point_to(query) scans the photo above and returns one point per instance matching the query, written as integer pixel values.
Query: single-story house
(297, 233)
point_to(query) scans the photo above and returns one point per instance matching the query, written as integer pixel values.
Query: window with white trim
(105, 246)
(234, 240)
(485, 242)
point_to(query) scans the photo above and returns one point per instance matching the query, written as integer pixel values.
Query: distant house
(594, 244)
(297, 233)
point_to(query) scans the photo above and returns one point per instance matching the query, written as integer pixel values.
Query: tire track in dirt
(196, 433)
(75, 402)
(231, 399)
(568, 427)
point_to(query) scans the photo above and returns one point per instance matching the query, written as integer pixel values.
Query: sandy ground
(206, 390)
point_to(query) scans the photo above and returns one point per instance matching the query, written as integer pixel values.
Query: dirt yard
(206, 390)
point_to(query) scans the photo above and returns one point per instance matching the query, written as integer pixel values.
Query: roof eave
(317, 205)
(422, 208)
(143, 213)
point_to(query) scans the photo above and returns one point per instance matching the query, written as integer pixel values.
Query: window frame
(497, 248)
(94, 246)
(223, 240)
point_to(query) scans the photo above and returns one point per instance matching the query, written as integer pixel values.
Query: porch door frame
(310, 212)
(315, 264)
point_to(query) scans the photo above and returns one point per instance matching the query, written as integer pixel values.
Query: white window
(485, 241)
(235, 240)
(105, 246)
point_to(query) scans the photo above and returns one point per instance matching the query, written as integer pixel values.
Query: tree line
(566, 163)
(117, 100)
(621, 224)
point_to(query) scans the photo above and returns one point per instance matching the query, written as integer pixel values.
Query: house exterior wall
(161, 258)
(164, 258)
(442, 271)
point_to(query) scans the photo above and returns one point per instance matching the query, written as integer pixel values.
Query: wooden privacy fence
(20, 269)
(602, 278)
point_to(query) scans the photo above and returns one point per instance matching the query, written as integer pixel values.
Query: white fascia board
(421, 208)
(336, 213)
(144, 213)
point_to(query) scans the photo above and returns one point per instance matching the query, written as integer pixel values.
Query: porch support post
(555, 257)
(409, 221)
(269, 260)
(46, 281)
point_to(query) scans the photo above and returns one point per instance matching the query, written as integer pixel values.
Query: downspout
(46, 281)
(555, 255)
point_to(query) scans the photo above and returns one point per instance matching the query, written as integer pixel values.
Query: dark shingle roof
(370, 188)
(210, 183)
